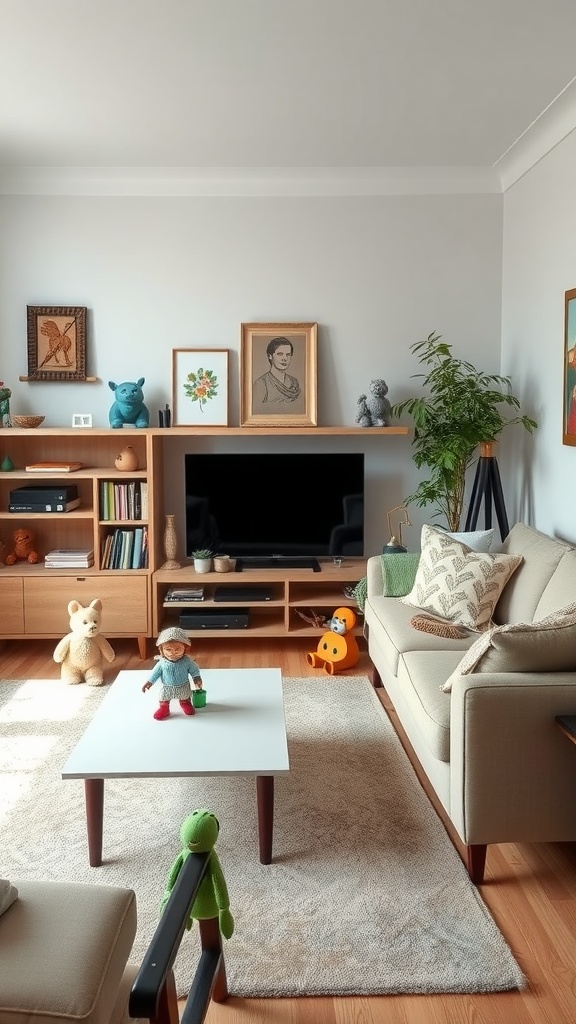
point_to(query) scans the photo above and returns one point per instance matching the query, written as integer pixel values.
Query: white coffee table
(241, 731)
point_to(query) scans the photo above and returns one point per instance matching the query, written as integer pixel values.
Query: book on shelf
(46, 506)
(53, 467)
(69, 558)
(120, 500)
(125, 548)
(65, 564)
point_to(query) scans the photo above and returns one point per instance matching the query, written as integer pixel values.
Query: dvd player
(247, 593)
(215, 618)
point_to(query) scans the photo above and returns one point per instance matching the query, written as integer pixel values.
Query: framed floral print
(200, 387)
(278, 375)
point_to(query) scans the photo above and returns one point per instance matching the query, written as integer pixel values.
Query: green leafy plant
(201, 386)
(203, 553)
(461, 410)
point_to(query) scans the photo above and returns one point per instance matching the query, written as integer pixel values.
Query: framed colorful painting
(56, 343)
(569, 403)
(278, 378)
(200, 387)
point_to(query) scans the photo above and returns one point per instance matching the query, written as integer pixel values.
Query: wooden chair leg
(168, 1006)
(210, 938)
(476, 861)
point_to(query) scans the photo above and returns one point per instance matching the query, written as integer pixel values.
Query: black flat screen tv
(267, 510)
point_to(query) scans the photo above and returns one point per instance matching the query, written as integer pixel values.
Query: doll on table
(174, 669)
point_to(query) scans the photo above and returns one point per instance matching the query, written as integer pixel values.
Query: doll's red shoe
(187, 708)
(163, 711)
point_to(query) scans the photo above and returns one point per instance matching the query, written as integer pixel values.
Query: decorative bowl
(26, 421)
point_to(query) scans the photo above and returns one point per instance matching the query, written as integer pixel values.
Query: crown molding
(247, 181)
(553, 125)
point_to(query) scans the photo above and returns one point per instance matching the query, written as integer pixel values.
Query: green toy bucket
(199, 698)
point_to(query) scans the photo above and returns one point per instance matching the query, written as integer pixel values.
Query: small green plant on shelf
(202, 553)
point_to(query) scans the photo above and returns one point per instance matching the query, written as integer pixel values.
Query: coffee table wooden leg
(94, 799)
(265, 796)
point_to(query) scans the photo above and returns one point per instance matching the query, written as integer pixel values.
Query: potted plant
(202, 559)
(460, 411)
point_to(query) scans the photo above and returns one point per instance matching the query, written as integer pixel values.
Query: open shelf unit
(34, 600)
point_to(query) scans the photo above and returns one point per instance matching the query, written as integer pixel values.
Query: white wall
(377, 274)
(539, 265)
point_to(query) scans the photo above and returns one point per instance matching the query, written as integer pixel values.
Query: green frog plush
(198, 834)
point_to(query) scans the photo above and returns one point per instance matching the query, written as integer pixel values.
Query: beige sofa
(491, 749)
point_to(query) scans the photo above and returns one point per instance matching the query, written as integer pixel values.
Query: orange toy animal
(338, 649)
(23, 548)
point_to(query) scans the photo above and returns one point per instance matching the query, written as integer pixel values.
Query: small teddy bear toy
(374, 409)
(198, 834)
(128, 405)
(338, 649)
(82, 651)
(23, 548)
(174, 669)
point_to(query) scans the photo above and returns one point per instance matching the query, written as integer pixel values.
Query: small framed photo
(569, 395)
(56, 343)
(278, 378)
(200, 387)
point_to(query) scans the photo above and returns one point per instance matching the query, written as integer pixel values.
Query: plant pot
(223, 563)
(202, 564)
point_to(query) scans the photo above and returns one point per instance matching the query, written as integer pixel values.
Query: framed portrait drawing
(200, 387)
(56, 343)
(278, 378)
(569, 396)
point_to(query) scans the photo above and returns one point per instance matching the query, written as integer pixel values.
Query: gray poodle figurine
(374, 409)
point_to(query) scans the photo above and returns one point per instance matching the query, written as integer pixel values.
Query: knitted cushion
(545, 646)
(457, 583)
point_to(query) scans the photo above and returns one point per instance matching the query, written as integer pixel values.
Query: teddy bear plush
(374, 409)
(23, 548)
(81, 653)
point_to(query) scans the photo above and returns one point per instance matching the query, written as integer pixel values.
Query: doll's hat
(173, 633)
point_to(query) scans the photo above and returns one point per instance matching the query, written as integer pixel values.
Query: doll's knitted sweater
(174, 676)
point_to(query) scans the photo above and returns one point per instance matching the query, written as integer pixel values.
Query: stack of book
(44, 498)
(181, 595)
(69, 558)
(125, 549)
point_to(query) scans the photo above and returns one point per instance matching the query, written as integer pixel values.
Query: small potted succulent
(202, 559)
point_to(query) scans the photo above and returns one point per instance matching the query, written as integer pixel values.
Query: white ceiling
(277, 83)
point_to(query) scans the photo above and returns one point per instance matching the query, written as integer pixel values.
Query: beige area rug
(366, 893)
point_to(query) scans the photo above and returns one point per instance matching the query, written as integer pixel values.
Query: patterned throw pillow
(457, 583)
(548, 645)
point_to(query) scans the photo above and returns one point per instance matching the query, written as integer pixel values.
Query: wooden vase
(170, 543)
(127, 460)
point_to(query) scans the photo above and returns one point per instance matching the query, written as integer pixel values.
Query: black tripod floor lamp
(487, 488)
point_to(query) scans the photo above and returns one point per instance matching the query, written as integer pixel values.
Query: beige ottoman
(64, 949)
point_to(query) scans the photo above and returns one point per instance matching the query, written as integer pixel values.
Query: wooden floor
(530, 890)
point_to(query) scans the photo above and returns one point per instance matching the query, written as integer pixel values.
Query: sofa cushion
(545, 646)
(63, 950)
(561, 589)
(541, 555)
(457, 583)
(477, 540)
(399, 572)
(421, 674)
(391, 619)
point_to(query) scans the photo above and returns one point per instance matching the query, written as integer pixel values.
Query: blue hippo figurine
(128, 406)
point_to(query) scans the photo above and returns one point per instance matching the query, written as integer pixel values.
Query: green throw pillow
(399, 573)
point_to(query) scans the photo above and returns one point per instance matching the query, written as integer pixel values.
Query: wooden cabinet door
(11, 606)
(124, 603)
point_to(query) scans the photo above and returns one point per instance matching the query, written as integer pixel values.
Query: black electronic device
(215, 618)
(275, 510)
(40, 494)
(227, 593)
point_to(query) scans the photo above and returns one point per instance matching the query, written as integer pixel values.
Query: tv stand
(277, 562)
